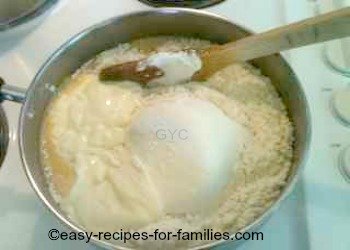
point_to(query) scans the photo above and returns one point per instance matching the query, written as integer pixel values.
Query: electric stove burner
(4, 130)
(197, 4)
(4, 135)
(16, 12)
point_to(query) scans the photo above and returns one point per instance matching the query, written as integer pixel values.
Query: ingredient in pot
(118, 155)
(178, 67)
(163, 68)
(189, 149)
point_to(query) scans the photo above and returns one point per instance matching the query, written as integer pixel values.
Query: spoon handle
(313, 30)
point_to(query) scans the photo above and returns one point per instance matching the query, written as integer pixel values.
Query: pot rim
(72, 225)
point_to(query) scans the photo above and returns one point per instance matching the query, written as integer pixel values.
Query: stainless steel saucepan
(108, 34)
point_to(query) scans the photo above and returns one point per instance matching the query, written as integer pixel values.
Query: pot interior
(107, 35)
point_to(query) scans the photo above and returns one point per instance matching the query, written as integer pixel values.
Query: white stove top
(315, 216)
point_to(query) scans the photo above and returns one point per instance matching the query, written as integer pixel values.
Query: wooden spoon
(318, 29)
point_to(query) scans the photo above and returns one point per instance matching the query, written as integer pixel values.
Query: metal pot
(108, 34)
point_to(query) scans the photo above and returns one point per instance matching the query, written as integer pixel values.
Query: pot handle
(11, 93)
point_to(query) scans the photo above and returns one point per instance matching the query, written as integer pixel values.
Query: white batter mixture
(178, 67)
(198, 155)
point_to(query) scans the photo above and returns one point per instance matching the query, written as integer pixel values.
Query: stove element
(340, 104)
(197, 4)
(16, 12)
(4, 135)
(344, 163)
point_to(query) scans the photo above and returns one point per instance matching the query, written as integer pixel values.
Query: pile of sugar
(264, 165)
